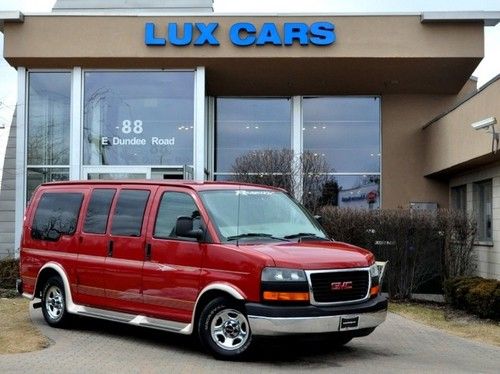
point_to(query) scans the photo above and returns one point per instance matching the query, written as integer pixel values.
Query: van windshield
(243, 215)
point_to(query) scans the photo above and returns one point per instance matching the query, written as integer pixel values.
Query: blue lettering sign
(269, 35)
(150, 38)
(242, 34)
(236, 31)
(173, 35)
(296, 31)
(207, 34)
(322, 33)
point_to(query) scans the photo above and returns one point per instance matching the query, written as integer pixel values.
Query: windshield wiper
(254, 235)
(305, 236)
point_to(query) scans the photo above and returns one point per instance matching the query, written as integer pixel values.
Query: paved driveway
(398, 345)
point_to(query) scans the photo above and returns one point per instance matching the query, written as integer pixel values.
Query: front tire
(54, 303)
(224, 330)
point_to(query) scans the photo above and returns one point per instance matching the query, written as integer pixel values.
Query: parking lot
(398, 345)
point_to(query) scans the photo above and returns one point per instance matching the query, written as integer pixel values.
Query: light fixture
(486, 124)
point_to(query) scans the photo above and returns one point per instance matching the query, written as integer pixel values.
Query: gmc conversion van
(224, 261)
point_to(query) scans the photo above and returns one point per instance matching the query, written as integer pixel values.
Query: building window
(48, 128)
(249, 128)
(483, 210)
(344, 132)
(459, 198)
(138, 118)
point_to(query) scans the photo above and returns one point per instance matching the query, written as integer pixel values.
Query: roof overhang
(489, 18)
(13, 16)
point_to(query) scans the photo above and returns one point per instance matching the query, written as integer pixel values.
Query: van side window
(129, 212)
(97, 213)
(172, 206)
(56, 215)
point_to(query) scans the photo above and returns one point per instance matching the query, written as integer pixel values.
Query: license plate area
(348, 323)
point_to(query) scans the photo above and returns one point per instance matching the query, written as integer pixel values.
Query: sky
(489, 67)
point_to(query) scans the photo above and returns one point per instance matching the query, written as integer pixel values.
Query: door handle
(148, 252)
(110, 248)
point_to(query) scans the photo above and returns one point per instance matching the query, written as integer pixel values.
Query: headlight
(284, 286)
(374, 271)
(283, 275)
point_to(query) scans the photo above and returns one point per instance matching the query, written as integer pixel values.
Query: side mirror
(184, 229)
(319, 219)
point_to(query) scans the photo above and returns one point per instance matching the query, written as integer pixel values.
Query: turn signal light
(374, 291)
(286, 296)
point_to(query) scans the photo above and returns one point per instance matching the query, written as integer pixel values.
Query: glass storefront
(138, 118)
(141, 124)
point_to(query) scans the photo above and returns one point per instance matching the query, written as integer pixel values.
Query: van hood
(316, 255)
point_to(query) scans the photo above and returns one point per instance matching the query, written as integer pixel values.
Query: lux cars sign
(242, 34)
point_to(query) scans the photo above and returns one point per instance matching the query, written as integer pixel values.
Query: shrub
(420, 246)
(475, 294)
(9, 272)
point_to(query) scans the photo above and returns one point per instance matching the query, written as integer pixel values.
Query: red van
(225, 261)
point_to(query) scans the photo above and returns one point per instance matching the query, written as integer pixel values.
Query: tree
(305, 176)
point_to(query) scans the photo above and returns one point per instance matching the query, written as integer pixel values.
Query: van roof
(198, 186)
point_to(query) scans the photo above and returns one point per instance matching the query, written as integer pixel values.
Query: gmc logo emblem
(341, 286)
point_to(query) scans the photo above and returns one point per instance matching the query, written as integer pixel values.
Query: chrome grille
(321, 284)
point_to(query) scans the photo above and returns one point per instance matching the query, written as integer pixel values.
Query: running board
(135, 320)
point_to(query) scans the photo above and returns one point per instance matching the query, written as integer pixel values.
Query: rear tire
(224, 330)
(54, 303)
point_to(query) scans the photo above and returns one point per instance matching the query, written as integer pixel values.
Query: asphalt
(398, 345)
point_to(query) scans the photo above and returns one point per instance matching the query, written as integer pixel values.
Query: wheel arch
(49, 270)
(210, 293)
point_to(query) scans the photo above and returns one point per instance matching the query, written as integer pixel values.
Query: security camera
(484, 124)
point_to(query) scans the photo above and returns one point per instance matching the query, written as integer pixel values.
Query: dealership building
(170, 90)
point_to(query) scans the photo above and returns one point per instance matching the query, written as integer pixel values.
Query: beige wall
(403, 142)
(372, 54)
(451, 142)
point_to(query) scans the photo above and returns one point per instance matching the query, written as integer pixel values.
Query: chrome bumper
(312, 325)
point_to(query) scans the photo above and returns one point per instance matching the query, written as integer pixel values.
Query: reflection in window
(483, 210)
(345, 131)
(37, 176)
(248, 125)
(138, 118)
(56, 215)
(353, 191)
(49, 118)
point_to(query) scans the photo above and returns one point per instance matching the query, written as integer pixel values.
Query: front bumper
(283, 320)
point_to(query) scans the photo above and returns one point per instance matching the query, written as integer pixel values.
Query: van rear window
(129, 212)
(98, 211)
(56, 215)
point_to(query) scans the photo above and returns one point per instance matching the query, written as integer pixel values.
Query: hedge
(422, 247)
(9, 272)
(476, 295)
